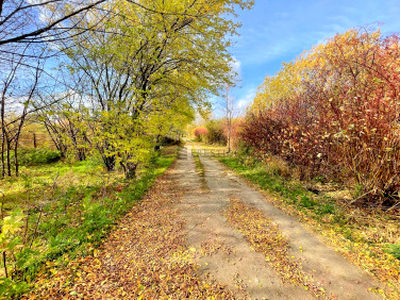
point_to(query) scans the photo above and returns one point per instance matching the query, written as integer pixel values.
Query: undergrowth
(39, 156)
(64, 218)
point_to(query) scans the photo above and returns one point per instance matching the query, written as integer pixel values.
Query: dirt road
(226, 255)
(182, 241)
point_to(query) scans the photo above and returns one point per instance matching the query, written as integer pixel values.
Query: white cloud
(236, 67)
(243, 102)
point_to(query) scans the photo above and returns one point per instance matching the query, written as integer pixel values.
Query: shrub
(334, 112)
(39, 156)
(215, 132)
(200, 133)
(236, 125)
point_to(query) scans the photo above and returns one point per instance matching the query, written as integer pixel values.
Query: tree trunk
(3, 137)
(16, 159)
(109, 162)
(34, 141)
(3, 163)
(80, 154)
(8, 158)
(131, 171)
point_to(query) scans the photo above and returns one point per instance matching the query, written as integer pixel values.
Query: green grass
(35, 182)
(199, 168)
(69, 209)
(210, 147)
(38, 156)
(293, 193)
(393, 250)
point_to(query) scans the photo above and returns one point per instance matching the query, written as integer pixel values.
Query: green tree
(148, 69)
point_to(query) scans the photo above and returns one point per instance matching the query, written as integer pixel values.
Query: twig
(362, 196)
(24, 239)
(394, 206)
(53, 188)
(5, 264)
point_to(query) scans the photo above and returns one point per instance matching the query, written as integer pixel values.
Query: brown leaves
(145, 257)
(265, 237)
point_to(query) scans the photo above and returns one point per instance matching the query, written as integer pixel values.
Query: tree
(65, 126)
(18, 88)
(145, 63)
(40, 21)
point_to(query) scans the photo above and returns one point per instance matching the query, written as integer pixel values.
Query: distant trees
(334, 111)
(216, 134)
(200, 133)
(229, 107)
(18, 87)
(217, 131)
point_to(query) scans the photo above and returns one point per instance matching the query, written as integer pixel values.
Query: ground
(201, 234)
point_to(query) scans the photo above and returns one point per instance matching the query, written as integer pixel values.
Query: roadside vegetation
(333, 114)
(365, 236)
(60, 210)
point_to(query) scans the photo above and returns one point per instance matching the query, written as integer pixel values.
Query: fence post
(34, 141)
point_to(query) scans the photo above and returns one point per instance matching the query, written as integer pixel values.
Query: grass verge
(65, 215)
(362, 236)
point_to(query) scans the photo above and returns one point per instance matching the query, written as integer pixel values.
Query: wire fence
(212, 152)
(33, 140)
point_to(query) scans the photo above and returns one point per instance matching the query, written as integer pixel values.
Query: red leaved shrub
(339, 116)
(200, 133)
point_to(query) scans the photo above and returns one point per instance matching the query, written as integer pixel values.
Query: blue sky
(277, 31)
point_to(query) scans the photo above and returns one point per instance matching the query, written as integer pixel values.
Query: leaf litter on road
(146, 256)
(265, 237)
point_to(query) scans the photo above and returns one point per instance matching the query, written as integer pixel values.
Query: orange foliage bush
(200, 133)
(236, 126)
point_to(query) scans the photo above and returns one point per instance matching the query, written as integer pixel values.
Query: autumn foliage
(236, 125)
(334, 111)
(200, 133)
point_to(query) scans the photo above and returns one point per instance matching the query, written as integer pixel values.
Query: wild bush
(200, 133)
(335, 112)
(39, 156)
(216, 133)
